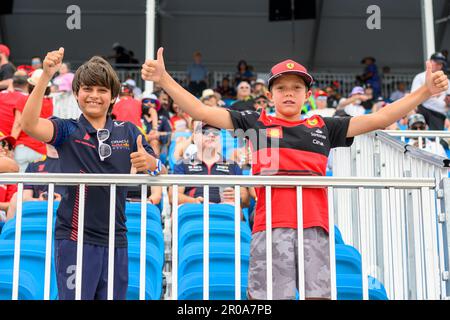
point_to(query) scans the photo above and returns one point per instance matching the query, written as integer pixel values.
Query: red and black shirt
(301, 148)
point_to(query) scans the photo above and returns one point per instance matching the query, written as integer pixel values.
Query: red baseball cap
(291, 67)
(10, 139)
(4, 49)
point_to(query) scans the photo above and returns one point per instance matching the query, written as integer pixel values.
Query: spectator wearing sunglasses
(417, 121)
(244, 99)
(7, 164)
(94, 143)
(207, 161)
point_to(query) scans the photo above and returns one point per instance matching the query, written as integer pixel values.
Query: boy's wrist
(164, 79)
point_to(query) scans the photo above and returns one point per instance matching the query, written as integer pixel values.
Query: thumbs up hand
(53, 61)
(140, 159)
(154, 70)
(436, 82)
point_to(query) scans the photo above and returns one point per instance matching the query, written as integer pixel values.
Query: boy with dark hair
(92, 144)
(303, 149)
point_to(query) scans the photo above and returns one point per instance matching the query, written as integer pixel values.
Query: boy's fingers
(160, 56)
(61, 50)
(140, 147)
(429, 67)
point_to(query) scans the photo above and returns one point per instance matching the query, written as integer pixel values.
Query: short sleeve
(179, 168)
(62, 129)
(337, 131)
(237, 170)
(244, 119)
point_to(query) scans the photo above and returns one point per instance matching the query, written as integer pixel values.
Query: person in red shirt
(127, 108)
(27, 148)
(286, 145)
(7, 164)
(8, 100)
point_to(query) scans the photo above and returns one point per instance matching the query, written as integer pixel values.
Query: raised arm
(154, 70)
(435, 84)
(36, 127)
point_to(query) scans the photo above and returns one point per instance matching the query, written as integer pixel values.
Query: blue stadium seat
(349, 287)
(154, 268)
(219, 232)
(154, 234)
(348, 260)
(191, 211)
(338, 236)
(133, 211)
(221, 286)
(37, 208)
(32, 265)
(27, 285)
(221, 258)
(32, 229)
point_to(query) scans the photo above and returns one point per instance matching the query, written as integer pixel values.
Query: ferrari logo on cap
(290, 66)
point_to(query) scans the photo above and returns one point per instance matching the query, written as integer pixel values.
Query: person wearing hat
(205, 159)
(7, 69)
(433, 109)
(352, 106)
(259, 88)
(197, 75)
(321, 101)
(417, 121)
(29, 149)
(156, 125)
(370, 76)
(209, 98)
(8, 101)
(285, 145)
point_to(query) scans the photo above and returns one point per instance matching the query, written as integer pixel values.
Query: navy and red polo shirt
(77, 145)
(300, 148)
(198, 167)
(45, 165)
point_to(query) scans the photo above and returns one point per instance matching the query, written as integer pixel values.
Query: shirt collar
(90, 129)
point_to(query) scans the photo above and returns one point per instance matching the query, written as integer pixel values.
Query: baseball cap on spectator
(131, 83)
(206, 94)
(439, 57)
(260, 81)
(148, 96)
(371, 58)
(416, 118)
(9, 139)
(262, 96)
(126, 88)
(321, 95)
(5, 50)
(357, 90)
(289, 67)
(27, 68)
(35, 76)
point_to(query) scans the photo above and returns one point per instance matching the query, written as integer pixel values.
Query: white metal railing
(426, 269)
(405, 229)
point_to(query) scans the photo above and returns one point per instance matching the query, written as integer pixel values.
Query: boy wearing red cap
(302, 149)
(6, 68)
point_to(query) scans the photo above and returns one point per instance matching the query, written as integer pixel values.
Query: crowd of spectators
(185, 146)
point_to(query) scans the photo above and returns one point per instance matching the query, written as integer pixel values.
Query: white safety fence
(403, 237)
(405, 279)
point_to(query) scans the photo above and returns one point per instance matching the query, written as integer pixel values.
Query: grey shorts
(285, 264)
